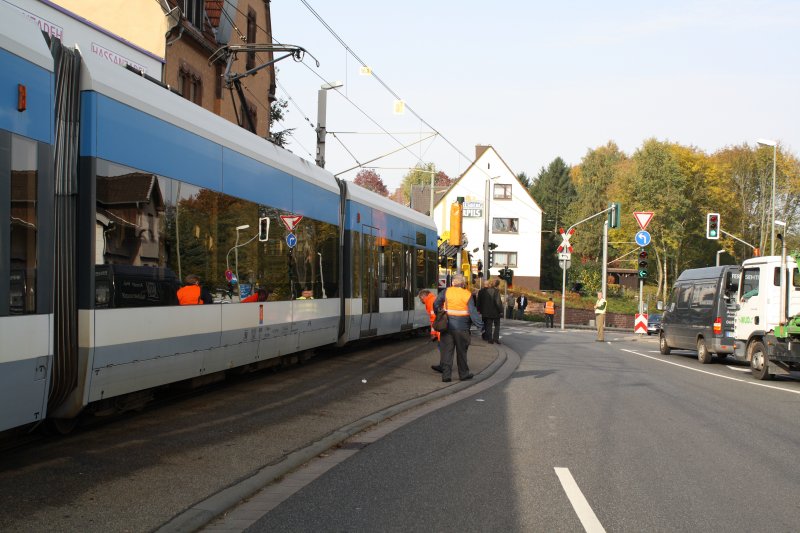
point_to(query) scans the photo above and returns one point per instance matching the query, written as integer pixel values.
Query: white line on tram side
(582, 508)
(713, 374)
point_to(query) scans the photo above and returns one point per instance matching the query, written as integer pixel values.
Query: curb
(205, 511)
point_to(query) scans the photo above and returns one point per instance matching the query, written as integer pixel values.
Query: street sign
(643, 238)
(291, 240)
(565, 246)
(640, 323)
(643, 218)
(564, 259)
(291, 221)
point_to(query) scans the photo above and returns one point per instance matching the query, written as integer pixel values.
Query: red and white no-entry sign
(640, 323)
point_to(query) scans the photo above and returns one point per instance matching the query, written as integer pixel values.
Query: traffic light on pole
(613, 215)
(642, 263)
(712, 226)
(492, 246)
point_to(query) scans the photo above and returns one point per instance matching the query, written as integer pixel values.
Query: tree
(369, 179)
(419, 175)
(592, 178)
(747, 176)
(277, 111)
(524, 180)
(443, 180)
(553, 191)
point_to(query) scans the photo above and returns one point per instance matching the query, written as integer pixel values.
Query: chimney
(479, 149)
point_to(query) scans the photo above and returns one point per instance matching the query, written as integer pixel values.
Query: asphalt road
(147, 470)
(581, 436)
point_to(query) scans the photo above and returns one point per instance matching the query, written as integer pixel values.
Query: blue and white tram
(166, 190)
(26, 137)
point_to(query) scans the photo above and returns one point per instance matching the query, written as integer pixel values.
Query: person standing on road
(600, 316)
(510, 300)
(549, 312)
(490, 306)
(522, 304)
(427, 298)
(461, 313)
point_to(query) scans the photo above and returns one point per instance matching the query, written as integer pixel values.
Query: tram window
(355, 239)
(24, 224)
(421, 270)
(144, 220)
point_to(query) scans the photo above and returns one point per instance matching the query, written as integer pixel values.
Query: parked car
(653, 324)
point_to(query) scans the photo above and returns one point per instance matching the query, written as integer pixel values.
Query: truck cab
(759, 302)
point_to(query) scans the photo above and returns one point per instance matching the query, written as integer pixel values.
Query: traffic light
(492, 246)
(613, 215)
(480, 268)
(642, 263)
(712, 226)
(509, 276)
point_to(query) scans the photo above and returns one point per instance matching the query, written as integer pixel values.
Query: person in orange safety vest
(461, 314)
(427, 297)
(549, 312)
(192, 293)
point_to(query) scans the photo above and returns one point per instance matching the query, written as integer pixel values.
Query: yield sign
(643, 218)
(290, 221)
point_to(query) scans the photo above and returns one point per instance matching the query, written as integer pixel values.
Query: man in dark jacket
(490, 306)
(522, 304)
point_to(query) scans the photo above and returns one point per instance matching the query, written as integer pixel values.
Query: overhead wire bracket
(228, 54)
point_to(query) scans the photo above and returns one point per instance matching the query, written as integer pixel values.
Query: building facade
(171, 41)
(513, 218)
(202, 27)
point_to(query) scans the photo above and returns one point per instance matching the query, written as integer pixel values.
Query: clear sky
(538, 80)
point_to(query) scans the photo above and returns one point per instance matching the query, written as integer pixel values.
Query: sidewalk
(405, 382)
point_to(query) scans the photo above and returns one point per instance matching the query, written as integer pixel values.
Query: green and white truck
(767, 323)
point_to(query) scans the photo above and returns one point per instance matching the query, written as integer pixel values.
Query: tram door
(370, 281)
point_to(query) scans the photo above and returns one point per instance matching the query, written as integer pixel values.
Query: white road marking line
(713, 374)
(738, 368)
(582, 508)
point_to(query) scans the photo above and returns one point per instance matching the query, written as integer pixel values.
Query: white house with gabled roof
(515, 219)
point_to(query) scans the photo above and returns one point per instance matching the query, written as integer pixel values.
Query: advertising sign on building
(473, 209)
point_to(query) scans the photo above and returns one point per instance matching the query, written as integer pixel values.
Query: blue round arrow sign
(642, 238)
(291, 240)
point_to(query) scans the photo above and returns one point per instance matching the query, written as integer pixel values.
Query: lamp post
(322, 105)
(774, 144)
(486, 227)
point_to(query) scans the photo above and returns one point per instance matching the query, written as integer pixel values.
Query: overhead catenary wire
(380, 80)
(258, 26)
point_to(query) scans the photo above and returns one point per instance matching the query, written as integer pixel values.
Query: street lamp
(719, 252)
(774, 144)
(322, 104)
(486, 227)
